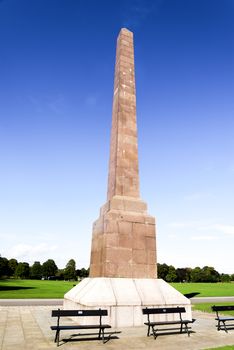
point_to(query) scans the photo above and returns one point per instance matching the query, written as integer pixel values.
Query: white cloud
(201, 226)
(29, 252)
(183, 224)
(203, 238)
(227, 229)
(197, 196)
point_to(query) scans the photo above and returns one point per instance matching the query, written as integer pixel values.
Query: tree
(82, 273)
(22, 270)
(206, 274)
(60, 274)
(70, 270)
(12, 264)
(171, 275)
(36, 270)
(196, 274)
(4, 269)
(224, 277)
(209, 274)
(49, 268)
(183, 274)
(162, 271)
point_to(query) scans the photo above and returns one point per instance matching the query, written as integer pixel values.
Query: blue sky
(56, 84)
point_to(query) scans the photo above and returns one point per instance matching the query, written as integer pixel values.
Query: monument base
(124, 298)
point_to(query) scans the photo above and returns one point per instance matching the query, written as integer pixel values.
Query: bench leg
(186, 328)
(148, 332)
(56, 339)
(154, 332)
(103, 338)
(99, 334)
(225, 327)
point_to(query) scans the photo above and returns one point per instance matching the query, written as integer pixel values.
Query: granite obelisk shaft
(123, 242)
(123, 177)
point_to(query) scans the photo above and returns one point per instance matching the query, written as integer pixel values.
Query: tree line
(205, 274)
(47, 270)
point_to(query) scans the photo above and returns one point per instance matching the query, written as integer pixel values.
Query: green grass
(206, 289)
(27, 289)
(228, 347)
(33, 289)
(206, 307)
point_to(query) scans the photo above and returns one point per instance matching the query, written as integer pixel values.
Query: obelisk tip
(126, 31)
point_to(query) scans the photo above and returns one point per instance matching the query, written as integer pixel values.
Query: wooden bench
(80, 313)
(166, 310)
(221, 324)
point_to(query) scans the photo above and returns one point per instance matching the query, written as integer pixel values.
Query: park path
(28, 328)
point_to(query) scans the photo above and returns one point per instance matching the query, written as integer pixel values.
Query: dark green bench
(183, 324)
(221, 320)
(79, 313)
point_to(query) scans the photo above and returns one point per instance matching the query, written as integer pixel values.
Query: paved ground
(28, 328)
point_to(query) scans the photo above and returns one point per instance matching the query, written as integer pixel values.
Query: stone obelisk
(123, 254)
(123, 243)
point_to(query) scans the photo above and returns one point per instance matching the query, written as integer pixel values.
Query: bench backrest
(73, 313)
(222, 308)
(163, 310)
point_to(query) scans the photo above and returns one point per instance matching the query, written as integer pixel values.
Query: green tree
(22, 270)
(60, 274)
(209, 274)
(183, 274)
(224, 277)
(36, 270)
(12, 264)
(162, 271)
(70, 270)
(196, 274)
(82, 273)
(49, 268)
(4, 269)
(171, 275)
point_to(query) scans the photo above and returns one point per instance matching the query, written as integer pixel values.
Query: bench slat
(163, 310)
(73, 313)
(54, 328)
(223, 308)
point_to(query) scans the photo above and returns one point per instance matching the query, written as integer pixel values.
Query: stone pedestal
(124, 299)
(123, 243)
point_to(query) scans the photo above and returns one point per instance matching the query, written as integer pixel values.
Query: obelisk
(123, 253)
(123, 243)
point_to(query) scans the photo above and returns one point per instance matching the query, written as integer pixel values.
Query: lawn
(33, 289)
(27, 289)
(228, 347)
(206, 307)
(206, 289)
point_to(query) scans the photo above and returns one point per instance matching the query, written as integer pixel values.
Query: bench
(221, 324)
(80, 313)
(166, 310)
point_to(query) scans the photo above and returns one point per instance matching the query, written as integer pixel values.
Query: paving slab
(28, 328)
